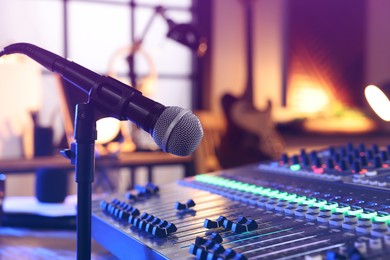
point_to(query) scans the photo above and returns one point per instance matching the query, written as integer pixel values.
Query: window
(90, 32)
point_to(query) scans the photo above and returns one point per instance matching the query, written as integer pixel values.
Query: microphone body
(174, 129)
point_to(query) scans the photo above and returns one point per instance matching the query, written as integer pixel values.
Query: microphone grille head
(178, 131)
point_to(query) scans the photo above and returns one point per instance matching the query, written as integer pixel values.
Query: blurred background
(291, 72)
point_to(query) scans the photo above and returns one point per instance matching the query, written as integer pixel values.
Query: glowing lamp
(107, 129)
(378, 100)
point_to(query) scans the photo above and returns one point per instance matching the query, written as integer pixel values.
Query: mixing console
(328, 204)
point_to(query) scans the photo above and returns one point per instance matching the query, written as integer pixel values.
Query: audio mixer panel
(328, 204)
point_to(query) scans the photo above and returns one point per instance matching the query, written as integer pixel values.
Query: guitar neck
(249, 89)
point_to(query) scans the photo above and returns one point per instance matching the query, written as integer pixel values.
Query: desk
(130, 160)
(21, 243)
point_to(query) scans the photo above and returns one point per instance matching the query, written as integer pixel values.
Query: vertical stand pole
(84, 151)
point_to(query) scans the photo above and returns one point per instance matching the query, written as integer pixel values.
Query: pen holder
(51, 185)
(43, 141)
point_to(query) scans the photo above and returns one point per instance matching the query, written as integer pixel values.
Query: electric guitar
(251, 134)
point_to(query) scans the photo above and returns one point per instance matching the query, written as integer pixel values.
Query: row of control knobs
(153, 225)
(357, 249)
(143, 191)
(210, 248)
(119, 209)
(240, 225)
(146, 222)
(341, 158)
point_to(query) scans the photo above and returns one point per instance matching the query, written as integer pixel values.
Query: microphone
(175, 130)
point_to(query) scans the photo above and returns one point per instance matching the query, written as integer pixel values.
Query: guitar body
(250, 134)
(238, 146)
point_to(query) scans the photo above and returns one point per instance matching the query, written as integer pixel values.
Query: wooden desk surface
(122, 160)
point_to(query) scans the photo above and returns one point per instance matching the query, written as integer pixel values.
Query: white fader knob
(375, 243)
(387, 239)
(361, 246)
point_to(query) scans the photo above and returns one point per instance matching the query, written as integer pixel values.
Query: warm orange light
(351, 124)
(378, 101)
(309, 99)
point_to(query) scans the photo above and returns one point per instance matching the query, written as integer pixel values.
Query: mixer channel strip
(249, 212)
(359, 165)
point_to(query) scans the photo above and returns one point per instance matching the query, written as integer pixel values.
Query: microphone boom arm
(111, 97)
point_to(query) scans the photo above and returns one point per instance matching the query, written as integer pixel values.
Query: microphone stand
(82, 155)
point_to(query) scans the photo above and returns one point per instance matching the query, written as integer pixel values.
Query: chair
(205, 155)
